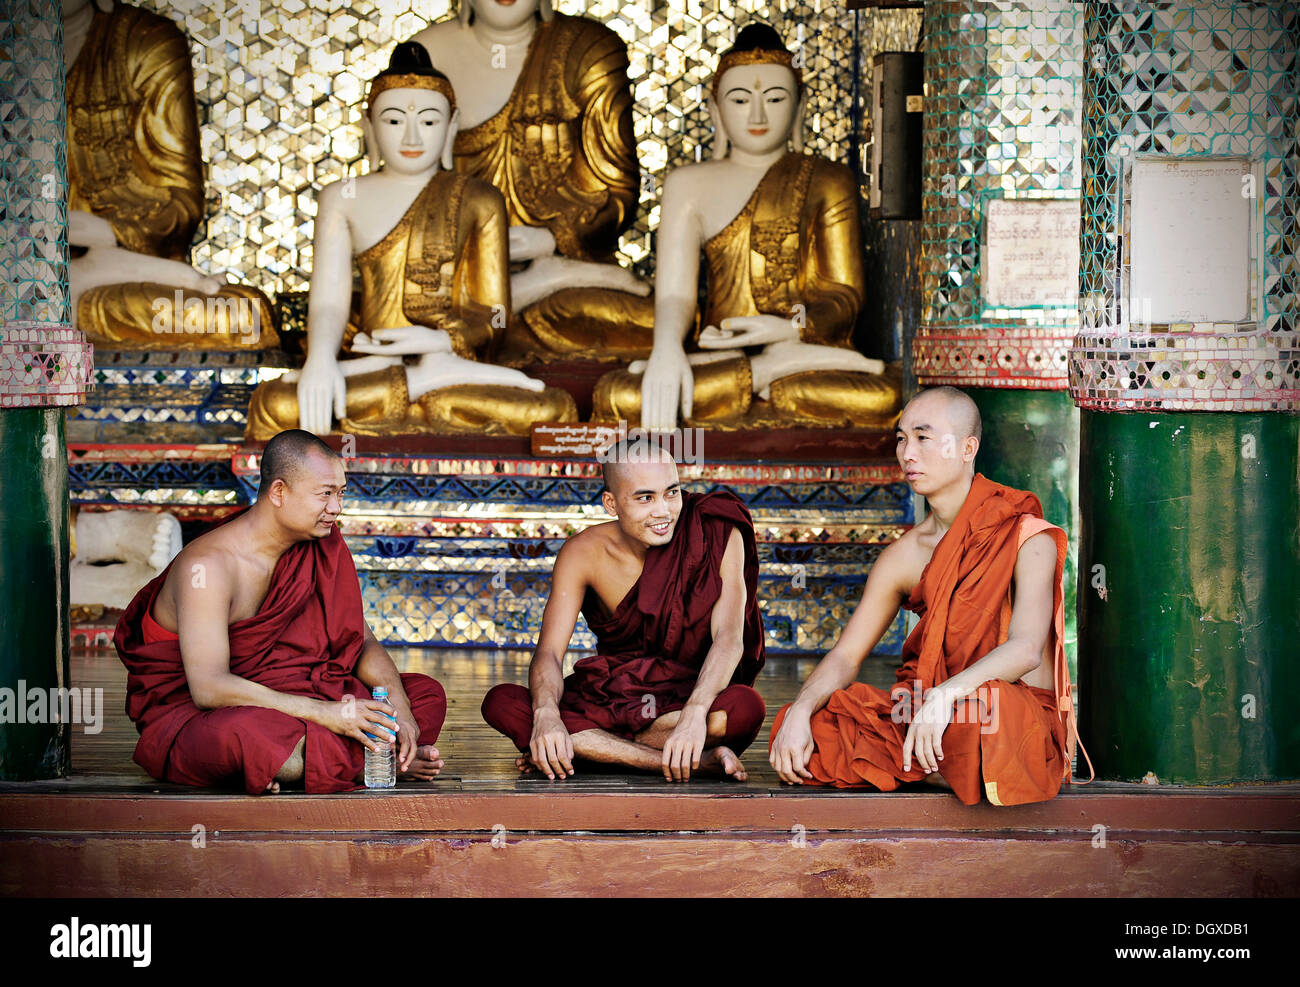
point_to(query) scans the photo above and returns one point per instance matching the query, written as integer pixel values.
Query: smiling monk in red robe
(249, 660)
(982, 702)
(669, 588)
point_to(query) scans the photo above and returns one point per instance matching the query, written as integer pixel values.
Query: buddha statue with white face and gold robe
(430, 247)
(779, 232)
(546, 117)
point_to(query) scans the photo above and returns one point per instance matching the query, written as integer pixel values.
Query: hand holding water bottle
(381, 764)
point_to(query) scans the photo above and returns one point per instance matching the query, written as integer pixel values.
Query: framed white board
(1189, 228)
(1031, 253)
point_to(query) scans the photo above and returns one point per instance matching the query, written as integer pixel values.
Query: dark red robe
(651, 648)
(305, 639)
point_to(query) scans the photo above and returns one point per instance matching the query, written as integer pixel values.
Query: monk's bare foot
(424, 766)
(525, 764)
(721, 762)
(937, 780)
(273, 788)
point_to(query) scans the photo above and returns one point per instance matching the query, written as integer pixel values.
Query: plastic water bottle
(381, 766)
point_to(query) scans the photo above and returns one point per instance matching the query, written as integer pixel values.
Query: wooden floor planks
(477, 756)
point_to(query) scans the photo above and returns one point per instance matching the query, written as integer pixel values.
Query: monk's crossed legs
(247, 743)
(733, 722)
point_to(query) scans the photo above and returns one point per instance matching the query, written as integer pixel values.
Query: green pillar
(34, 634)
(1031, 442)
(1189, 616)
(45, 365)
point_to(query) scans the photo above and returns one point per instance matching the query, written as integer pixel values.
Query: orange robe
(1010, 741)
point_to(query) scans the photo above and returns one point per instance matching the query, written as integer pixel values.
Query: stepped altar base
(454, 542)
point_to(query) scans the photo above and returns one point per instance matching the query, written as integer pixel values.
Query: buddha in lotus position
(546, 117)
(779, 232)
(430, 246)
(135, 191)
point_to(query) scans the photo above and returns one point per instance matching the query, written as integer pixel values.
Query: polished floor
(477, 756)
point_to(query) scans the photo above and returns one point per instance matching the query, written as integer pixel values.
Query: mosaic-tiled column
(1186, 369)
(999, 236)
(44, 366)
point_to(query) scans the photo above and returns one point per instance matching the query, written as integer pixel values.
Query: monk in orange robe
(670, 590)
(982, 702)
(248, 659)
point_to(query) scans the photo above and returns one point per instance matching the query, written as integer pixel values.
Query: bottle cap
(380, 693)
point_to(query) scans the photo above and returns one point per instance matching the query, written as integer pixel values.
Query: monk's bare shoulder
(207, 564)
(901, 563)
(585, 550)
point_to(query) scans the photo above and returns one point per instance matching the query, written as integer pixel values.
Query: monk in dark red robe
(670, 590)
(982, 702)
(249, 661)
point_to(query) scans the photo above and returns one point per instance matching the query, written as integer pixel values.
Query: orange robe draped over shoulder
(1010, 741)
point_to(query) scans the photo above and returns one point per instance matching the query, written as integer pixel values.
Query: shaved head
(616, 459)
(287, 453)
(961, 411)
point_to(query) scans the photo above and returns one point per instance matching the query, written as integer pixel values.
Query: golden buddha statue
(547, 119)
(135, 191)
(430, 246)
(779, 230)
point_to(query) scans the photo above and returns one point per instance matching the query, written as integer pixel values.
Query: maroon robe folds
(651, 648)
(305, 639)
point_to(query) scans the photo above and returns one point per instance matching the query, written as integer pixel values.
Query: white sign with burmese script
(1031, 252)
(1190, 237)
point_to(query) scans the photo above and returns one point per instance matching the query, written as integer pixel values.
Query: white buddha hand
(106, 263)
(749, 330)
(779, 360)
(552, 273)
(438, 370)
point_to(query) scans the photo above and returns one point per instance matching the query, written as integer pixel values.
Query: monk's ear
(721, 145)
(969, 448)
(368, 139)
(796, 132)
(609, 503)
(449, 148)
(275, 493)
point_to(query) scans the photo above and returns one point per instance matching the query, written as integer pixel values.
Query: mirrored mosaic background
(1002, 120)
(1202, 78)
(33, 164)
(280, 89)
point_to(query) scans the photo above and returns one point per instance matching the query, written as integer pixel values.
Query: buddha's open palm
(116, 265)
(438, 370)
(402, 341)
(748, 330)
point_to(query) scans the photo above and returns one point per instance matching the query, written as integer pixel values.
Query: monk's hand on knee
(925, 733)
(551, 746)
(792, 749)
(685, 744)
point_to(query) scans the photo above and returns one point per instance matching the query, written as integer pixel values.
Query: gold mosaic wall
(280, 89)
